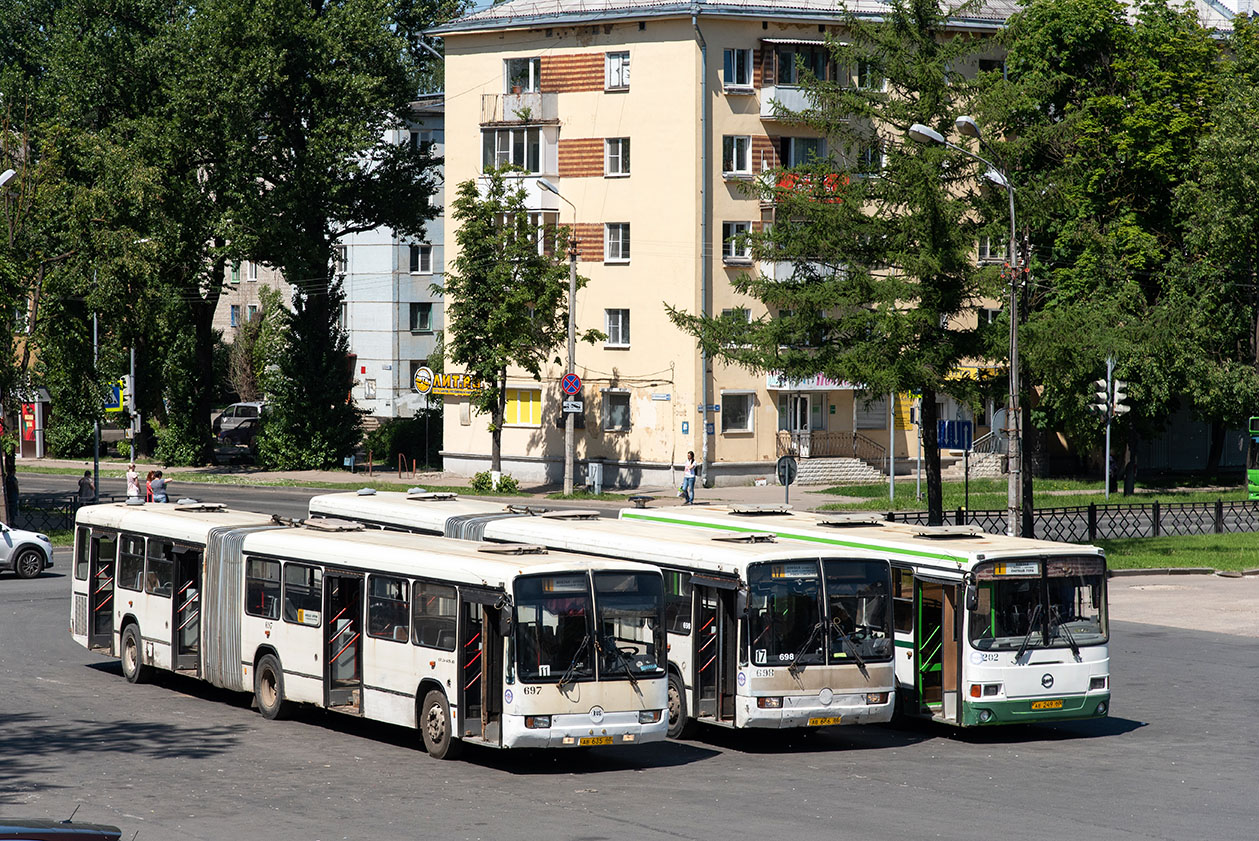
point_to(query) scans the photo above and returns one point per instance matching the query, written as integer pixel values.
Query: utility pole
(96, 436)
(569, 417)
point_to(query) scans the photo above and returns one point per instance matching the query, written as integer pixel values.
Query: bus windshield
(554, 628)
(630, 610)
(1054, 602)
(857, 609)
(784, 613)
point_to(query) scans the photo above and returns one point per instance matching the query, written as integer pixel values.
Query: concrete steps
(835, 471)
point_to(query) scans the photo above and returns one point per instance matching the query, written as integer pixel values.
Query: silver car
(27, 553)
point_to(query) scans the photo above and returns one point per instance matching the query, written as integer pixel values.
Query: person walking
(689, 472)
(148, 487)
(133, 482)
(87, 490)
(158, 486)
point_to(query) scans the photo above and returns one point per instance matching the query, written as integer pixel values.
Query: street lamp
(967, 126)
(6, 175)
(569, 420)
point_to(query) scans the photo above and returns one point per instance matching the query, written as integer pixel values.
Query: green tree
(506, 298)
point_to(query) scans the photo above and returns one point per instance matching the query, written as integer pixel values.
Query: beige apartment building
(650, 118)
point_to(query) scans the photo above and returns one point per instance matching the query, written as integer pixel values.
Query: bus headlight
(648, 716)
(876, 697)
(769, 703)
(1097, 683)
(537, 722)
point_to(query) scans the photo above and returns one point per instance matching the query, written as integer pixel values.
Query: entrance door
(187, 605)
(938, 648)
(796, 417)
(715, 663)
(343, 642)
(101, 597)
(481, 672)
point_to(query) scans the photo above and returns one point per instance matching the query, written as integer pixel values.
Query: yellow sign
(904, 402)
(445, 385)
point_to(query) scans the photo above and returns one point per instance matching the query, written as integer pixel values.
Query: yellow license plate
(1055, 704)
(595, 740)
(826, 722)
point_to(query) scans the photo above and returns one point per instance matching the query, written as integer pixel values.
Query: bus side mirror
(972, 597)
(741, 601)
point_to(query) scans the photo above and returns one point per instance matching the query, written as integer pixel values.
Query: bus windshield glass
(857, 610)
(553, 628)
(1051, 602)
(630, 610)
(784, 614)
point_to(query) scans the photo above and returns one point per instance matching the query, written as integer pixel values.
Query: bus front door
(101, 597)
(715, 662)
(937, 649)
(187, 606)
(343, 642)
(481, 672)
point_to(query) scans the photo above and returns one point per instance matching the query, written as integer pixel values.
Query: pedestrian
(87, 490)
(148, 487)
(688, 478)
(133, 482)
(159, 487)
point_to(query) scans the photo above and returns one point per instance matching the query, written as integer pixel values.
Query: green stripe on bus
(829, 541)
(904, 644)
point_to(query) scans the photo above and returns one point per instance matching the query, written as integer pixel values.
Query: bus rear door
(937, 647)
(101, 593)
(714, 662)
(480, 666)
(187, 607)
(343, 642)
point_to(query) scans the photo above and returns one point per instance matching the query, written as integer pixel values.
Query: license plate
(826, 722)
(1055, 704)
(595, 740)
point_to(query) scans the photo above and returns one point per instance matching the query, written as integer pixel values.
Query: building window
(522, 75)
(252, 312)
(736, 412)
(520, 147)
(990, 251)
(421, 317)
(815, 58)
(617, 159)
(992, 65)
(737, 67)
(736, 155)
(871, 414)
(797, 151)
(251, 271)
(869, 77)
(233, 315)
(616, 411)
(734, 242)
(421, 259)
(617, 324)
(369, 389)
(340, 259)
(988, 315)
(523, 408)
(423, 141)
(235, 272)
(343, 319)
(617, 75)
(869, 158)
(616, 242)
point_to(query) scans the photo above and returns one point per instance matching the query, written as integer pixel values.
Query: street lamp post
(967, 126)
(569, 419)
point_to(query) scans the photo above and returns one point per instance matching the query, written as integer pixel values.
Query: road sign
(954, 434)
(787, 470)
(117, 399)
(573, 407)
(571, 384)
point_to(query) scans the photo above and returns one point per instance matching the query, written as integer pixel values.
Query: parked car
(27, 553)
(238, 443)
(47, 830)
(236, 414)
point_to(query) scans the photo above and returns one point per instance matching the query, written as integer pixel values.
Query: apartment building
(651, 118)
(241, 299)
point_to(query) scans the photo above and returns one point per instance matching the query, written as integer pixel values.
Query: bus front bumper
(809, 711)
(1033, 710)
(577, 730)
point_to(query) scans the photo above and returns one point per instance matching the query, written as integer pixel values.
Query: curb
(1121, 573)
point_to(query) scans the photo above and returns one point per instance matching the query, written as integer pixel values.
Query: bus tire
(680, 724)
(29, 563)
(437, 728)
(269, 689)
(132, 656)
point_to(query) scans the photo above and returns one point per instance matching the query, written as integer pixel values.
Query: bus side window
(433, 614)
(303, 594)
(82, 551)
(677, 602)
(157, 580)
(262, 588)
(387, 608)
(902, 600)
(131, 562)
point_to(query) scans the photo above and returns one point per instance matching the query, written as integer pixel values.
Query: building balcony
(515, 108)
(786, 96)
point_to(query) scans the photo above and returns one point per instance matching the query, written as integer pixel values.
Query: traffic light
(1117, 406)
(1101, 397)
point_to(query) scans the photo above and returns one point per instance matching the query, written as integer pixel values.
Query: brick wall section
(590, 242)
(568, 73)
(581, 156)
(764, 149)
(760, 72)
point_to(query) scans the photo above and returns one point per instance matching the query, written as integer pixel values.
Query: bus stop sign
(787, 470)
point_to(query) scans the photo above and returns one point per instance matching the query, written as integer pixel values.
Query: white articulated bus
(761, 633)
(500, 645)
(990, 629)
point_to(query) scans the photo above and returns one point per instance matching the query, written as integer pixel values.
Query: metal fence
(1088, 523)
(51, 511)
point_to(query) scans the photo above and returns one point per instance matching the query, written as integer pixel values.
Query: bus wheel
(269, 689)
(680, 724)
(437, 728)
(133, 668)
(29, 564)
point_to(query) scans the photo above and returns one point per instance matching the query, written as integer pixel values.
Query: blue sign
(954, 434)
(686, 428)
(571, 384)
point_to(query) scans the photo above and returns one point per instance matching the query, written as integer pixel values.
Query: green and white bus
(500, 645)
(762, 633)
(989, 629)
(1252, 461)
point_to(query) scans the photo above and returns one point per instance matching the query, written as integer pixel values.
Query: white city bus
(500, 645)
(993, 629)
(761, 634)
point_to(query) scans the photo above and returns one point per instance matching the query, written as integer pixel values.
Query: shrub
(407, 437)
(483, 482)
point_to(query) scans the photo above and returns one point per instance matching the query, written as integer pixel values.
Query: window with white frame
(424, 140)
(251, 312)
(340, 259)
(734, 242)
(523, 407)
(343, 318)
(421, 259)
(522, 75)
(737, 70)
(421, 316)
(617, 156)
(520, 147)
(616, 411)
(869, 76)
(990, 250)
(736, 411)
(795, 151)
(988, 315)
(251, 271)
(617, 72)
(616, 242)
(816, 59)
(233, 315)
(738, 313)
(617, 326)
(869, 158)
(235, 273)
(736, 154)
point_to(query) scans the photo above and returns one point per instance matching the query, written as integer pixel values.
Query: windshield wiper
(1031, 628)
(852, 647)
(620, 655)
(571, 671)
(795, 666)
(1058, 624)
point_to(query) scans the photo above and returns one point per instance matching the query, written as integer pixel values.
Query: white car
(27, 553)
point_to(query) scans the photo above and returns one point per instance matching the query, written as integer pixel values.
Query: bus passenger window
(433, 613)
(902, 600)
(677, 602)
(160, 565)
(303, 594)
(82, 549)
(262, 588)
(387, 608)
(131, 562)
